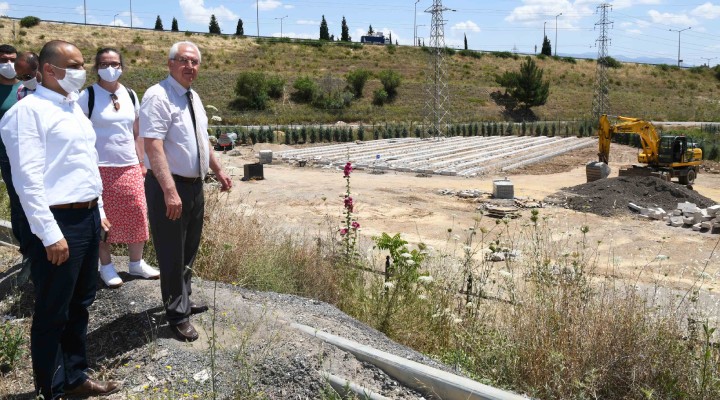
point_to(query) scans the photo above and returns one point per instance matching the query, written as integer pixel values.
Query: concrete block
(676, 221)
(688, 220)
(714, 210)
(635, 207)
(706, 225)
(715, 228)
(696, 227)
(677, 212)
(687, 207)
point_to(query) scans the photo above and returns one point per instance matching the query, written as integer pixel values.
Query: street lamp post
(85, 10)
(415, 24)
(257, 13)
(544, 34)
(678, 31)
(131, 14)
(281, 21)
(115, 16)
(556, 17)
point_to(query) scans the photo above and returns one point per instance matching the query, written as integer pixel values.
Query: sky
(652, 30)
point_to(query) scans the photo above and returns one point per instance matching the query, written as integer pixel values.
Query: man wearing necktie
(173, 125)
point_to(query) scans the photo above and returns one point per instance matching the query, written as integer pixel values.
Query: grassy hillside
(645, 91)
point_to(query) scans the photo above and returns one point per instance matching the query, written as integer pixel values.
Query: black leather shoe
(91, 387)
(185, 331)
(197, 308)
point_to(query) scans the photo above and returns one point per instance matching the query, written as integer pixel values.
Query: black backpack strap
(91, 100)
(132, 95)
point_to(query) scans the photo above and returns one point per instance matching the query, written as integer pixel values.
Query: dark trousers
(62, 296)
(176, 243)
(20, 224)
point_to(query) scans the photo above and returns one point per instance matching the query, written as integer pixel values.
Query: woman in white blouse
(113, 111)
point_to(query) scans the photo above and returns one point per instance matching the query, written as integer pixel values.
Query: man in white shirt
(173, 125)
(51, 147)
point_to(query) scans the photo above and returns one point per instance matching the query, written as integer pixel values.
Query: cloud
(468, 26)
(295, 35)
(707, 11)
(4, 7)
(196, 12)
(265, 5)
(670, 19)
(620, 4)
(533, 12)
(307, 22)
(288, 6)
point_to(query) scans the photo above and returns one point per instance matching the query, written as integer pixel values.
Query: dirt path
(309, 197)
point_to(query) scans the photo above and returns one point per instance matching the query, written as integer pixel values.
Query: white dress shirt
(115, 140)
(51, 147)
(165, 115)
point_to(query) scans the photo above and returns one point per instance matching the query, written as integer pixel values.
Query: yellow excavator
(666, 157)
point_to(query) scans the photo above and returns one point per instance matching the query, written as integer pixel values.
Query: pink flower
(355, 225)
(348, 169)
(343, 231)
(349, 203)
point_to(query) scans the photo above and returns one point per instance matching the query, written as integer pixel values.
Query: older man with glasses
(174, 125)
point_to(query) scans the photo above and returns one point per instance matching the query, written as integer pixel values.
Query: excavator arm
(649, 138)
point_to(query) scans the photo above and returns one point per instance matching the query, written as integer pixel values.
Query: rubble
(686, 215)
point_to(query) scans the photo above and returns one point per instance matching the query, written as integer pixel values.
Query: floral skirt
(124, 203)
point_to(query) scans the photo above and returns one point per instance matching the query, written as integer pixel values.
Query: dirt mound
(611, 196)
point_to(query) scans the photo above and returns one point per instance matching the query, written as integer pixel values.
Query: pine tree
(214, 26)
(240, 31)
(158, 24)
(174, 27)
(546, 49)
(527, 86)
(465, 35)
(390, 37)
(370, 30)
(324, 33)
(345, 32)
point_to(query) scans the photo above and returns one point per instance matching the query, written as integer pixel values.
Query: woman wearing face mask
(113, 111)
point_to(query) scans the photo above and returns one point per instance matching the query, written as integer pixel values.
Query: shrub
(29, 21)
(22, 32)
(569, 60)
(390, 48)
(470, 53)
(541, 57)
(390, 81)
(610, 62)
(251, 89)
(504, 54)
(380, 97)
(332, 95)
(305, 89)
(356, 80)
(276, 86)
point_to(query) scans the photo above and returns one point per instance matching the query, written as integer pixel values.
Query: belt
(178, 178)
(83, 204)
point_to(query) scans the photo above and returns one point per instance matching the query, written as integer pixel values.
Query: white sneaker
(144, 271)
(110, 276)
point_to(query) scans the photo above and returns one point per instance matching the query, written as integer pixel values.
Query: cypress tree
(174, 27)
(158, 24)
(465, 35)
(345, 31)
(214, 27)
(546, 49)
(240, 31)
(324, 32)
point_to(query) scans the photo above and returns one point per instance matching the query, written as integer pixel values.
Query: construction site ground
(307, 197)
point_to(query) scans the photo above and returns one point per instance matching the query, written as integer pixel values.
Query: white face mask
(74, 79)
(31, 83)
(110, 74)
(7, 70)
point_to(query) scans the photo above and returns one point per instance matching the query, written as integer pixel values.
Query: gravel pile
(608, 197)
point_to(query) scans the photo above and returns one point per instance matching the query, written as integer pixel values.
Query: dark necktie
(202, 156)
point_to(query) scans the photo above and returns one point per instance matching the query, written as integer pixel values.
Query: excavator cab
(672, 149)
